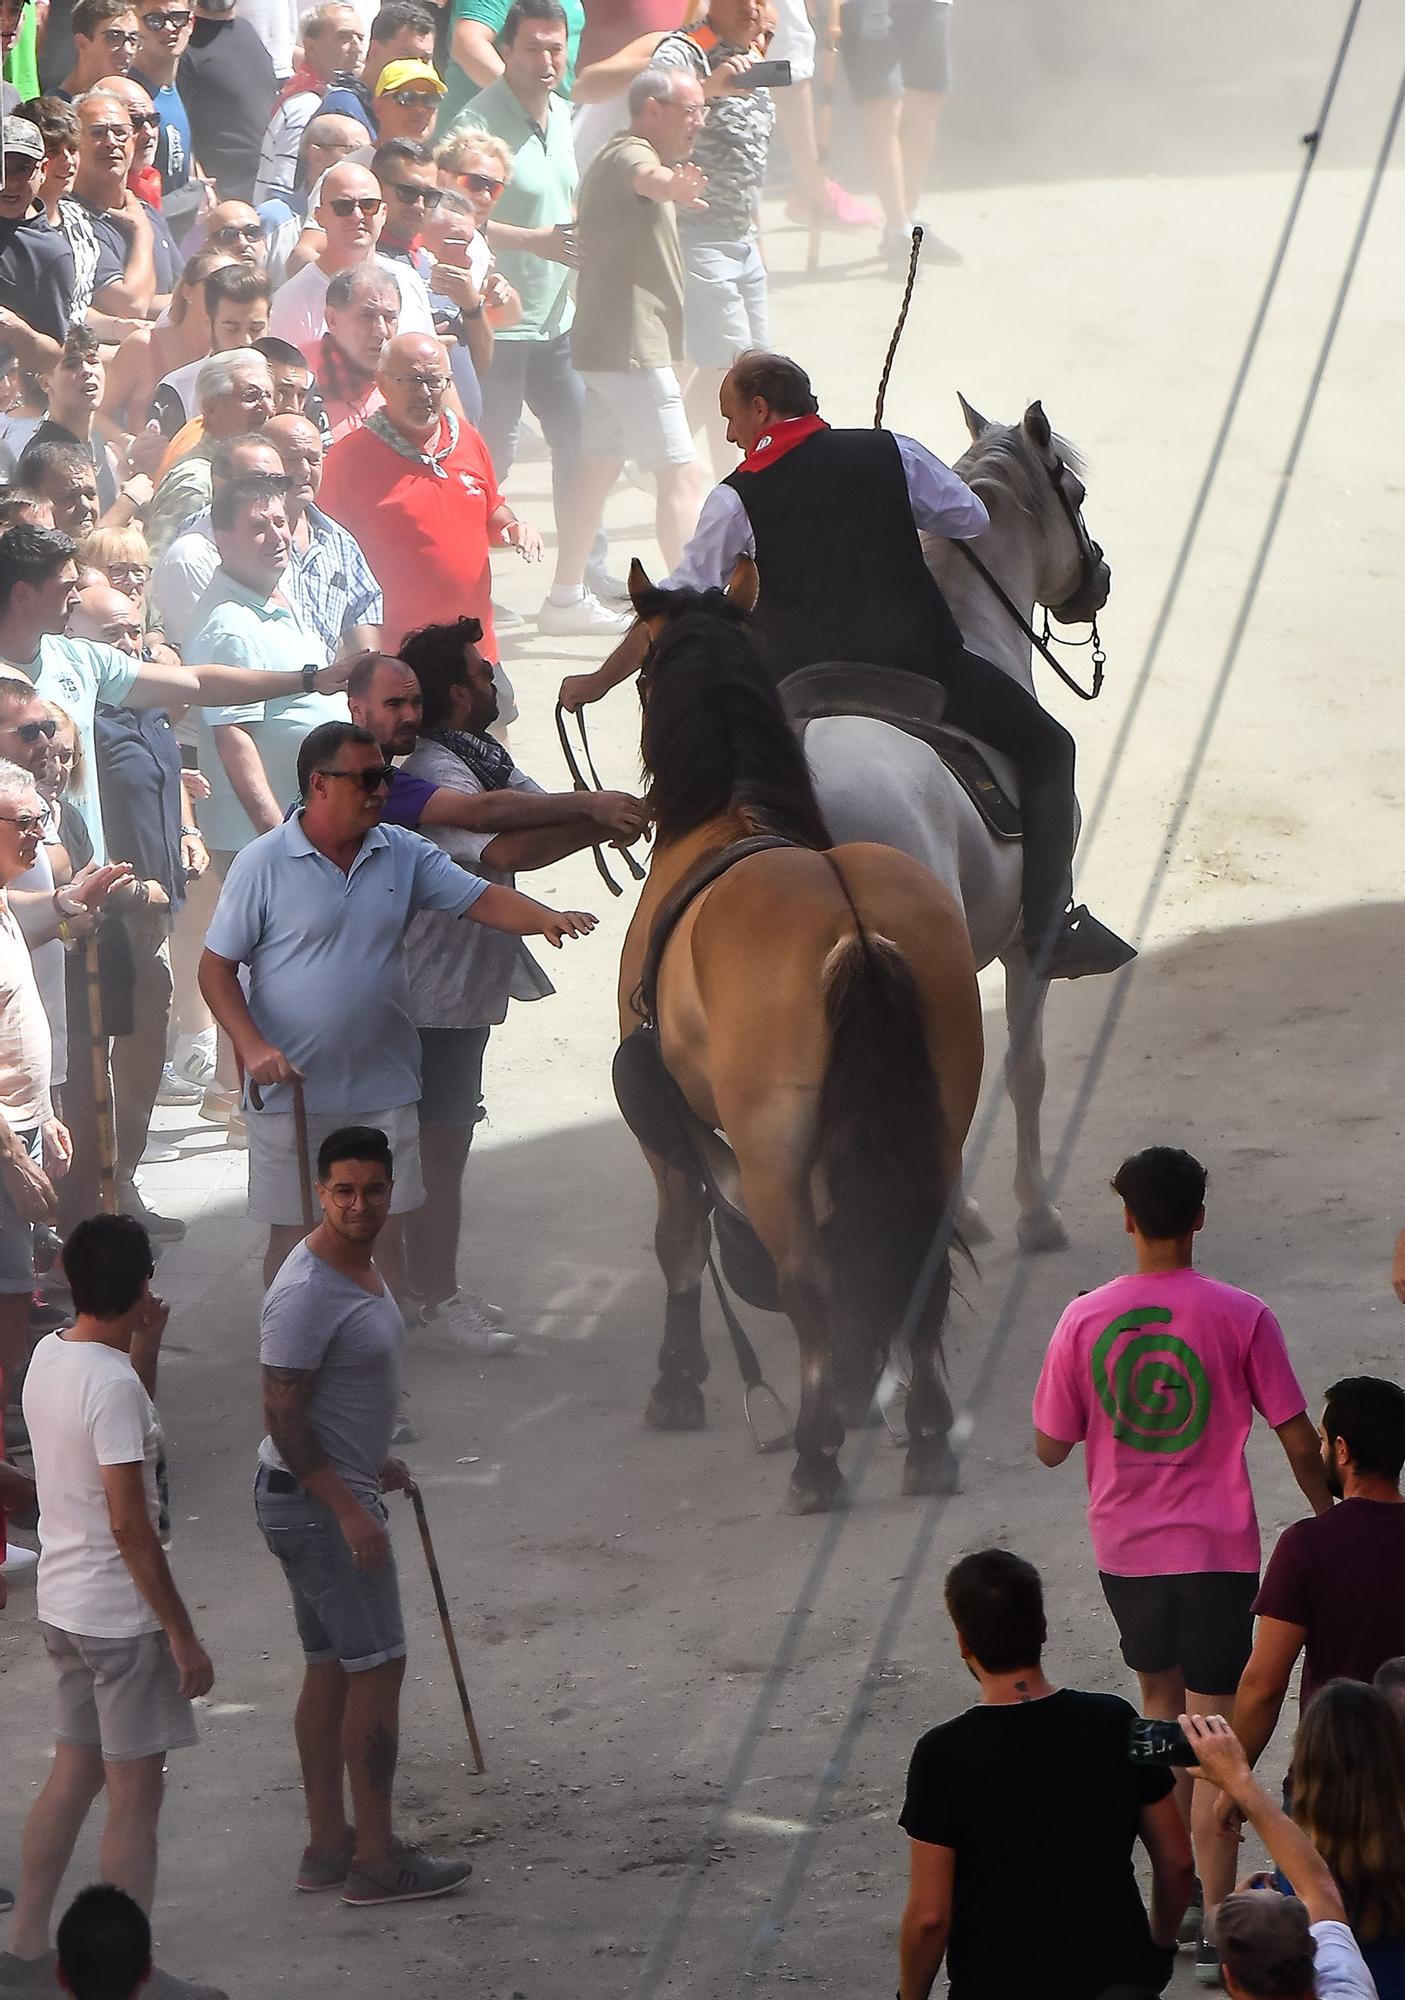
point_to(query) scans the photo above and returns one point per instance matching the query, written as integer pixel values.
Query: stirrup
(1083, 948)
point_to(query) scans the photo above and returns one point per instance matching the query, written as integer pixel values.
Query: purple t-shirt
(406, 800)
(1159, 1377)
(1341, 1576)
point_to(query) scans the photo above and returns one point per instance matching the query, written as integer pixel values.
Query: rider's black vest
(842, 572)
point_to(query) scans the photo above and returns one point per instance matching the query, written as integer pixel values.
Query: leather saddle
(916, 705)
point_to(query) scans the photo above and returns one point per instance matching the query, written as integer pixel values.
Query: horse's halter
(1082, 603)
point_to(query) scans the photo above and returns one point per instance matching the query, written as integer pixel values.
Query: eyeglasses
(407, 192)
(344, 204)
(481, 184)
(121, 38)
(369, 780)
(165, 17)
(148, 118)
(237, 232)
(136, 573)
(405, 98)
(30, 732)
(109, 131)
(28, 823)
(436, 384)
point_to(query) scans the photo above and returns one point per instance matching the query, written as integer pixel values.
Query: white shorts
(794, 40)
(636, 413)
(273, 1169)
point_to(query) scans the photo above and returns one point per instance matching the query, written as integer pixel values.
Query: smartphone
(768, 75)
(1153, 1742)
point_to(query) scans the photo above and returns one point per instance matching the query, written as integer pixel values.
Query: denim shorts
(636, 413)
(342, 1613)
(724, 302)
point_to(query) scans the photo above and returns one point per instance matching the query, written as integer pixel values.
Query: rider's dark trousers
(982, 699)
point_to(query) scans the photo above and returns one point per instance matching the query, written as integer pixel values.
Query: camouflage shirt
(730, 149)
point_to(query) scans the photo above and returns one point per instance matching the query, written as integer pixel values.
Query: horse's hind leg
(676, 1402)
(931, 1463)
(1040, 1226)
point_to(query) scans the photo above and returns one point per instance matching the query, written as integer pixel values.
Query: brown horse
(818, 1007)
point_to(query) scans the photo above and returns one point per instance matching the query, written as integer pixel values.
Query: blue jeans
(342, 1613)
(538, 373)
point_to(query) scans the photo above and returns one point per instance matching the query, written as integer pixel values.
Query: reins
(1041, 643)
(579, 784)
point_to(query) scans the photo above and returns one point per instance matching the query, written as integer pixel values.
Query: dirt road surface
(697, 1712)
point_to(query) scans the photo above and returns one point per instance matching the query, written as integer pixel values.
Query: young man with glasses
(106, 35)
(351, 214)
(415, 486)
(164, 37)
(317, 909)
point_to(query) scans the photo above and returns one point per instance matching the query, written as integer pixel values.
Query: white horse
(877, 783)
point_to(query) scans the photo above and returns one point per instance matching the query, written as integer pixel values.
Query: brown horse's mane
(716, 741)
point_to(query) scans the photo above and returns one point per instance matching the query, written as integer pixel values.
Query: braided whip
(898, 329)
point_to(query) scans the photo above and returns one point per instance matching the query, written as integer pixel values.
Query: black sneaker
(409, 1876)
(160, 1228)
(1207, 1964)
(1193, 1922)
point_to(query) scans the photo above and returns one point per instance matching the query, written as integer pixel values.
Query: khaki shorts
(120, 1696)
(273, 1164)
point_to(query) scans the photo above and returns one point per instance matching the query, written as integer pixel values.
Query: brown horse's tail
(882, 1130)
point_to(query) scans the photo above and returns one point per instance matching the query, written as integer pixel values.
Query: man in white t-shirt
(113, 1622)
(350, 212)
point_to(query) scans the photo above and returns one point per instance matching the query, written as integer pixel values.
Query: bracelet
(65, 933)
(477, 312)
(190, 833)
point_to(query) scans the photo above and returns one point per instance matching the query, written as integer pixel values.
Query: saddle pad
(915, 705)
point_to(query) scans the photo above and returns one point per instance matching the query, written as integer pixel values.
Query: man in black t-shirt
(36, 264)
(226, 82)
(1023, 1814)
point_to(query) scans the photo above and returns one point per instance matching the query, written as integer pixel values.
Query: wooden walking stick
(309, 1220)
(826, 60)
(422, 1523)
(102, 1081)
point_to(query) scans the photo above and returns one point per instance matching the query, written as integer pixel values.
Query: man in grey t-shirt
(330, 1345)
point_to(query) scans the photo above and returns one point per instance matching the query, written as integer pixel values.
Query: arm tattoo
(285, 1396)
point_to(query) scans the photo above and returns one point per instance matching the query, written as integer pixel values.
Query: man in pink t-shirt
(1158, 1376)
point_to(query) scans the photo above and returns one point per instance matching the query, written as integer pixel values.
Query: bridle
(1090, 556)
(578, 784)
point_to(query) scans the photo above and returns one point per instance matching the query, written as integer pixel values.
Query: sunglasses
(408, 193)
(150, 118)
(481, 184)
(30, 732)
(165, 17)
(121, 38)
(28, 823)
(405, 98)
(347, 204)
(235, 232)
(370, 780)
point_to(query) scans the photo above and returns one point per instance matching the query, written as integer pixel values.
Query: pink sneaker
(837, 207)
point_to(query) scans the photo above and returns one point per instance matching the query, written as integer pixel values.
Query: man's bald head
(106, 617)
(299, 446)
(384, 697)
(413, 378)
(350, 214)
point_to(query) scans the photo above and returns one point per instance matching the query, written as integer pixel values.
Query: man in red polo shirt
(415, 486)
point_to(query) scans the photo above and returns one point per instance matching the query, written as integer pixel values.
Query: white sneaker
(194, 1058)
(473, 1329)
(587, 615)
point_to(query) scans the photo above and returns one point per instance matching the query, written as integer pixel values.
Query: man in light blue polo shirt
(531, 236)
(317, 910)
(247, 620)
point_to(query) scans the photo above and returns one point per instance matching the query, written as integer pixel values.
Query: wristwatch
(309, 678)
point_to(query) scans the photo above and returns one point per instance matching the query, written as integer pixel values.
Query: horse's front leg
(1040, 1226)
(680, 1243)
(931, 1463)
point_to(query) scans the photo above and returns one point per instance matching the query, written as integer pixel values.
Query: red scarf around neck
(778, 440)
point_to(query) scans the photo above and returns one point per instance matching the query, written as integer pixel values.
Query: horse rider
(832, 519)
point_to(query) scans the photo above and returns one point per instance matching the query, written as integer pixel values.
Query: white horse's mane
(1003, 453)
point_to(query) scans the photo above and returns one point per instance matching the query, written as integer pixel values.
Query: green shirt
(461, 87)
(541, 193)
(22, 63)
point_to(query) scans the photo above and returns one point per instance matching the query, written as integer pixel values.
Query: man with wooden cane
(330, 1348)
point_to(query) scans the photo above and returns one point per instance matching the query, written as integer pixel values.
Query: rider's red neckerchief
(780, 439)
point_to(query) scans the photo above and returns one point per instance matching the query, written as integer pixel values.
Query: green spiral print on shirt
(1156, 1391)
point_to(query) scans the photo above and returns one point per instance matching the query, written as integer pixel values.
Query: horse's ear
(744, 586)
(976, 424)
(1036, 427)
(637, 582)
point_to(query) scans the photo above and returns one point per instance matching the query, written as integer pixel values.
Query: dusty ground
(697, 1712)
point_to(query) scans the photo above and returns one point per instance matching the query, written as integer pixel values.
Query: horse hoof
(1041, 1230)
(972, 1225)
(813, 1491)
(932, 1467)
(679, 1407)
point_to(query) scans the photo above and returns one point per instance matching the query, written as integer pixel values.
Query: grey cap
(23, 138)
